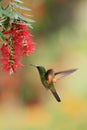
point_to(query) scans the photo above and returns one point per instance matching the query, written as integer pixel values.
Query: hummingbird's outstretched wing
(62, 74)
(53, 90)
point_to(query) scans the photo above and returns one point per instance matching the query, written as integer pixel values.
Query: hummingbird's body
(48, 78)
(42, 73)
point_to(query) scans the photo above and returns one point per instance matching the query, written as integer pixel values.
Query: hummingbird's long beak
(33, 65)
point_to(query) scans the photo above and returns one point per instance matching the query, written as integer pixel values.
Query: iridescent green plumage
(42, 73)
(50, 86)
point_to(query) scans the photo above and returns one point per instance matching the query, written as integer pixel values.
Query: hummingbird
(49, 77)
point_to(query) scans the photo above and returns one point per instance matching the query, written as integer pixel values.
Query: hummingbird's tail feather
(56, 96)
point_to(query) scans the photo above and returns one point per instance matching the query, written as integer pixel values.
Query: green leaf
(6, 13)
(0, 24)
(21, 7)
(19, 1)
(1, 0)
(2, 36)
(28, 15)
(2, 19)
(5, 7)
(25, 19)
(6, 23)
(30, 26)
(14, 15)
(9, 12)
(0, 11)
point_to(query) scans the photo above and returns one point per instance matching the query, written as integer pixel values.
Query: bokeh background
(60, 35)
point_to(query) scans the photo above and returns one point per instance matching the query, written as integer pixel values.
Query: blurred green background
(60, 35)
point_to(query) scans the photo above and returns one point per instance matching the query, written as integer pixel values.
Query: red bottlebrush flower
(13, 32)
(21, 26)
(24, 33)
(28, 47)
(18, 39)
(5, 64)
(16, 64)
(5, 51)
(5, 32)
(19, 43)
(17, 49)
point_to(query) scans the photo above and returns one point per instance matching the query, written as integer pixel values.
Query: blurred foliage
(55, 15)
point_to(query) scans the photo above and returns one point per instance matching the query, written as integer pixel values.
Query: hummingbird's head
(35, 66)
(41, 69)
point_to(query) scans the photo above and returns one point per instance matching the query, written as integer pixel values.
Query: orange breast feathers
(51, 79)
